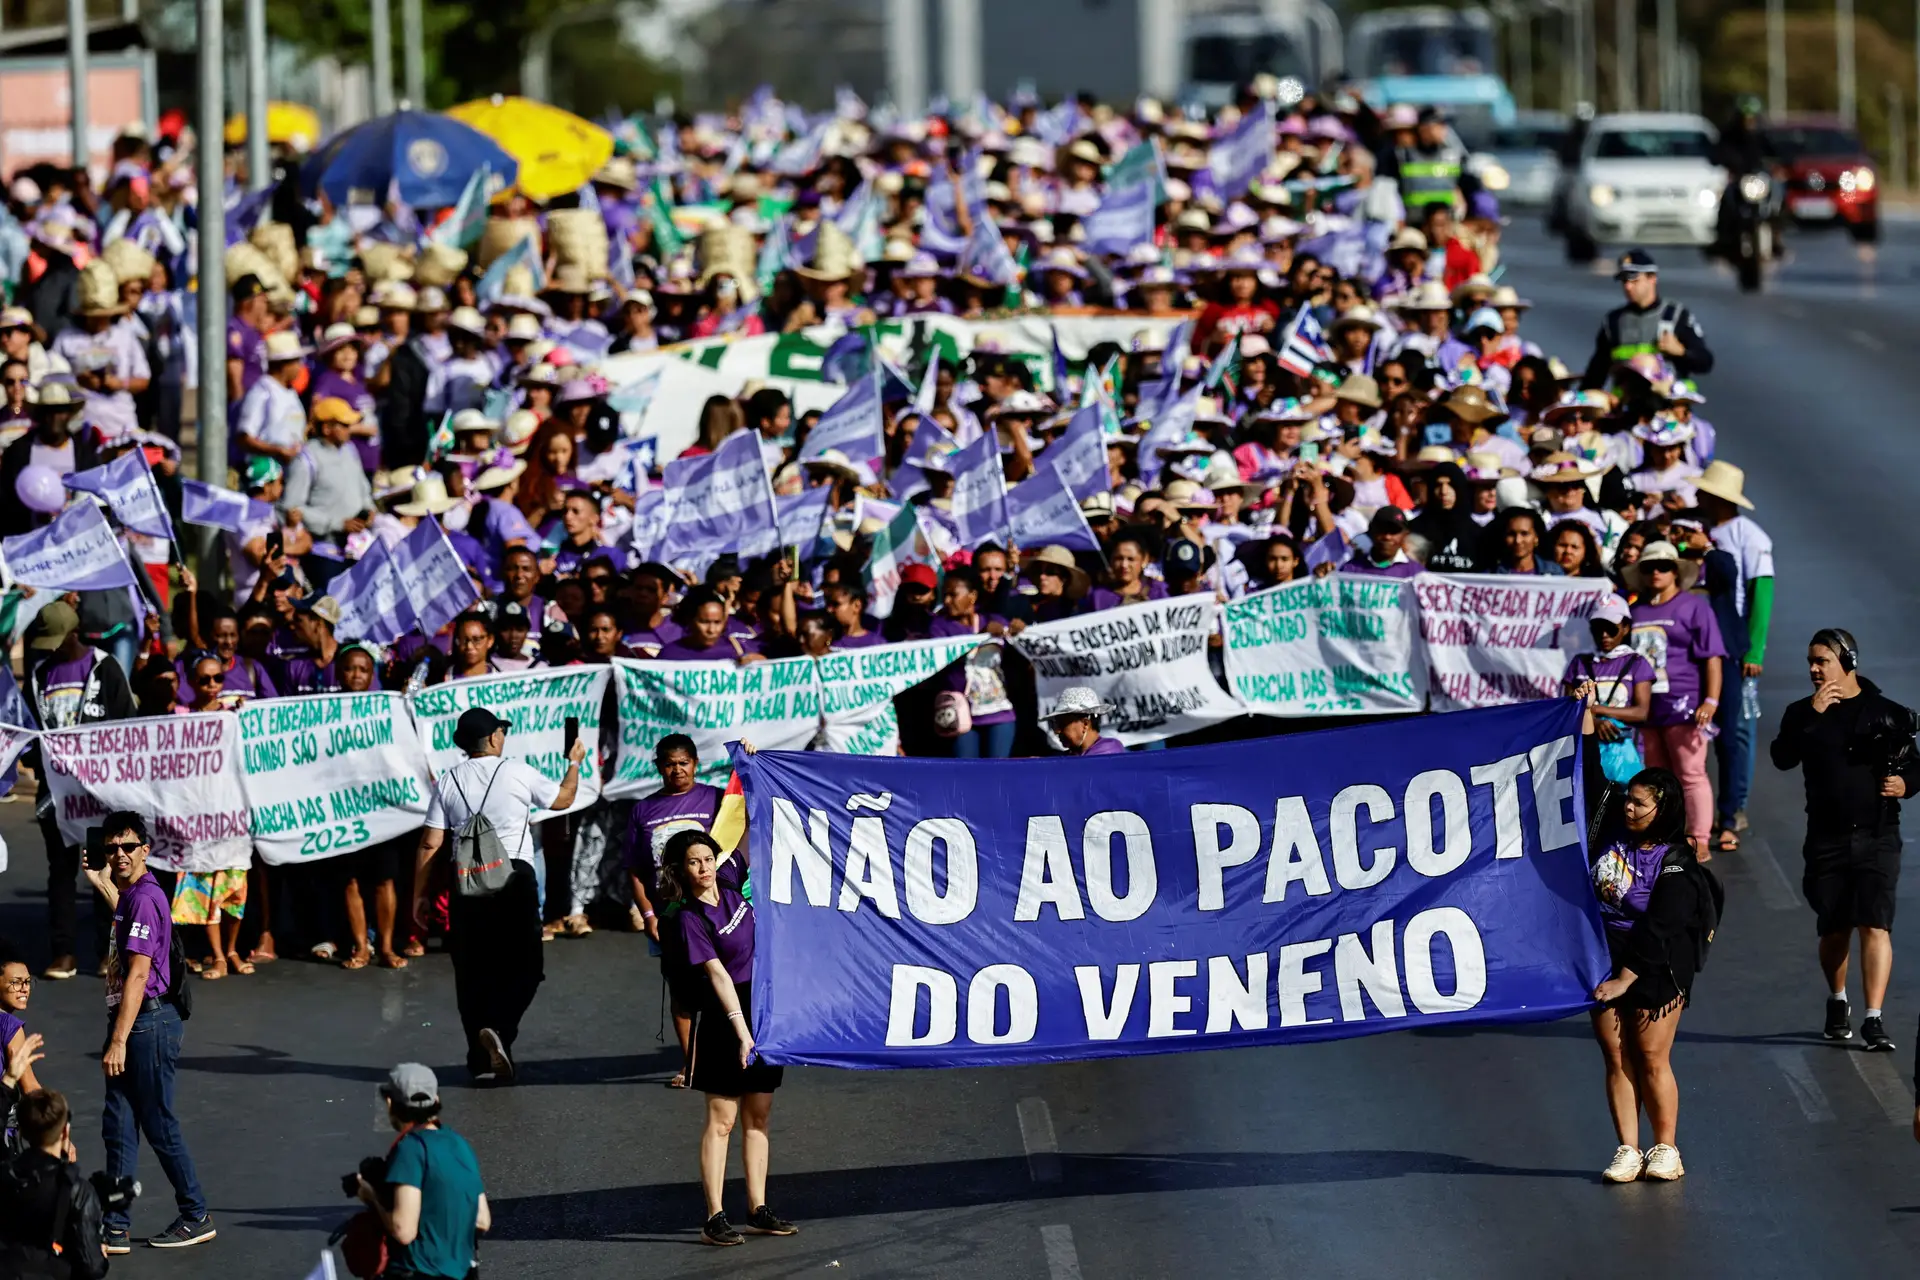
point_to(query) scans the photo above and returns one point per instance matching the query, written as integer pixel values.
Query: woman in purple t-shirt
(715, 924)
(979, 675)
(1676, 632)
(1616, 683)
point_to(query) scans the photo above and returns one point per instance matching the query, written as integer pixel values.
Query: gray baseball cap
(411, 1085)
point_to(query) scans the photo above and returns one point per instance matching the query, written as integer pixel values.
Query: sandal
(358, 960)
(678, 1080)
(213, 970)
(548, 932)
(325, 952)
(388, 960)
(237, 965)
(1726, 841)
(414, 948)
(577, 926)
(259, 956)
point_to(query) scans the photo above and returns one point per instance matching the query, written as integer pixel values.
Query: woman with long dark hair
(714, 925)
(1657, 904)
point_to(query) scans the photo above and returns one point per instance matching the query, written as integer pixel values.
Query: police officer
(1646, 326)
(1855, 747)
(1433, 169)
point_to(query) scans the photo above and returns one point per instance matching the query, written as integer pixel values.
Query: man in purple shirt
(143, 1037)
(246, 346)
(1075, 722)
(1386, 556)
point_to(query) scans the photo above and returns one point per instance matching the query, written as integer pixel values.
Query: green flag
(899, 543)
(666, 236)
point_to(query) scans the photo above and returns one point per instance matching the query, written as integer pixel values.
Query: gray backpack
(481, 866)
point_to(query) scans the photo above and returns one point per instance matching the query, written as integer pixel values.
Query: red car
(1830, 176)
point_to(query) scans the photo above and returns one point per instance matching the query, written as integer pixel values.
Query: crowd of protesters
(1374, 405)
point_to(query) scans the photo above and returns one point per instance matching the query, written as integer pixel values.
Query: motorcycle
(1753, 226)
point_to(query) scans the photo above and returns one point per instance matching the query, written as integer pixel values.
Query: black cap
(1184, 558)
(511, 613)
(475, 726)
(1433, 115)
(1387, 520)
(248, 286)
(1636, 262)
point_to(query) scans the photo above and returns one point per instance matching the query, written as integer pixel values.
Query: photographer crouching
(1855, 746)
(427, 1201)
(50, 1219)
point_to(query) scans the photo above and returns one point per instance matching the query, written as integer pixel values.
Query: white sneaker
(1626, 1166)
(1663, 1163)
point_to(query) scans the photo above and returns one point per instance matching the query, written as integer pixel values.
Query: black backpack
(1713, 905)
(179, 994)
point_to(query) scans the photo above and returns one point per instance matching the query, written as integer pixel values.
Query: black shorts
(1851, 880)
(714, 1063)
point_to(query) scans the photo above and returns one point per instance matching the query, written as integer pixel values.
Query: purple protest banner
(435, 579)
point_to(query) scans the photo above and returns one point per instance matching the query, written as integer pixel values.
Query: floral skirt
(200, 896)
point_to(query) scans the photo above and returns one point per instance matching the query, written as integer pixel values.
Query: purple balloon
(41, 489)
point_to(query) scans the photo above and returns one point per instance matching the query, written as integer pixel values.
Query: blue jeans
(140, 1101)
(985, 742)
(1734, 752)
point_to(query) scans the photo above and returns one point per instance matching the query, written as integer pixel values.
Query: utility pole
(382, 18)
(1626, 39)
(1776, 58)
(907, 56)
(77, 81)
(211, 297)
(1896, 136)
(1844, 74)
(1667, 39)
(1523, 57)
(960, 50)
(413, 53)
(259, 160)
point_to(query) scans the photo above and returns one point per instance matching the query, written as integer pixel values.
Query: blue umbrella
(428, 157)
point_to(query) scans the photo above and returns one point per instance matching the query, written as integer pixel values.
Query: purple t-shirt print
(658, 818)
(142, 924)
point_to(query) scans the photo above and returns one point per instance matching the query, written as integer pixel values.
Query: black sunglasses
(125, 846)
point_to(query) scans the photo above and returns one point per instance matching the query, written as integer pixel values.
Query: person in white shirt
(494, 940)
(272, 421)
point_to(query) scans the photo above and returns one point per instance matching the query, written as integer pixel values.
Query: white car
(1645, 178)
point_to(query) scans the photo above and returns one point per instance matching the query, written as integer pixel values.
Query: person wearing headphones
(1855, 748)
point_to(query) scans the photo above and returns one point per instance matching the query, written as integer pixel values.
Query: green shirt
(442, 1165)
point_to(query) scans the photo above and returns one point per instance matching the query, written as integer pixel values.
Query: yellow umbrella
(288, 124)
(557, 150)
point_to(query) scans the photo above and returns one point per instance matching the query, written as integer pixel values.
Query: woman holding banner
(715, 928)
(1659, 906)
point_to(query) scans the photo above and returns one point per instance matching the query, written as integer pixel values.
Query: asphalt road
(1403, 1154)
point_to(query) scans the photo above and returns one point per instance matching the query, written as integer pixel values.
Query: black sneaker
(719, 1231)
(763, 1221)
(1876, 1036)
(117, 1240)
(184, 1234)
(1838, 1028)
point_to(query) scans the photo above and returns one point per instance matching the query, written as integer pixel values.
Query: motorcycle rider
(1646, 325)
(1740, 151)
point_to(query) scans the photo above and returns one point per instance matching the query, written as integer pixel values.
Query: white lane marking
(1063, 1260)
(1794, 1066)
(1883, 1079)
(1867, 340)
(1036, 1135)
(1770, 878)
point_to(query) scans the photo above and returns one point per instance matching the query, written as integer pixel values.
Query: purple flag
(202, 503)
(1080, 454)
(979, 491)
(435, 579)
(79, 551)
(1237, 158)
(126, 485)
(720, 502)
(372, 599)
(1043, 512)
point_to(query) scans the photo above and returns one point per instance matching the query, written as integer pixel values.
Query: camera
(116, 1195)
(1884, 739)
(373, 1169)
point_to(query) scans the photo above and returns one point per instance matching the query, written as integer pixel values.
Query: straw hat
(275, 240)
(335, 336)
(1185, 495)
(521, 426)
(1478, 283)
(1471, 404)
(837, 462)
(439, 265)
(578, 238)
(383, 261)
(1724, 481)
(129, 261)
(1660, 552)
(99, 290)
(834, 257)
(469, 321)
(1361, 389)
(1077, 701)
(285, 344)
(468, 420)
(56, 396)
(501, 235)
(1566, 468)
(1361, 316)
(618, 172)
(429, 498)
(499, 475)
(1061, 561)
(1428, 295)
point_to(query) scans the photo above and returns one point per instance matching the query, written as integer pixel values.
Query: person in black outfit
(1855, 747)
(50, 1220)
(403, 413)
